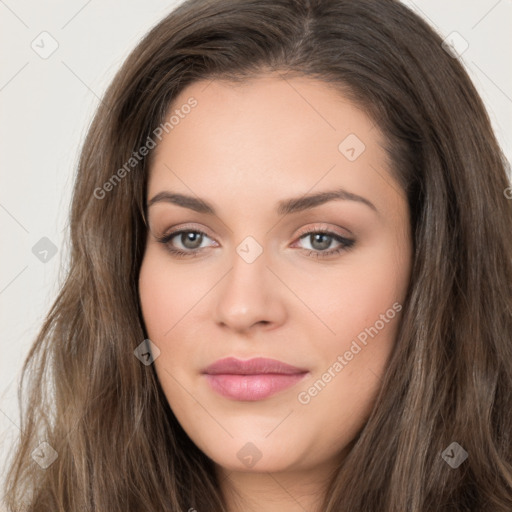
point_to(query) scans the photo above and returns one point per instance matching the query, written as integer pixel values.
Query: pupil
(191, 240)
(324, 241)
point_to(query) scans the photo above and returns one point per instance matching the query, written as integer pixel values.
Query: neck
(282, 491)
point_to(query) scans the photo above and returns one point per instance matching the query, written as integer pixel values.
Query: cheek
(365, 320)
(156, 297)
(166, 295)
(351, 297)
(359, 306)
(175, 316)
(165, 301)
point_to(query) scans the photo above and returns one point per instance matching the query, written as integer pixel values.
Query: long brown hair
(449, 379)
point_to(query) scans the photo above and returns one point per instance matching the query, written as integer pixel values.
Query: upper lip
(255, 366)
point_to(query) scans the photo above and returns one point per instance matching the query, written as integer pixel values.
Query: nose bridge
(247, 295)
(246, 282)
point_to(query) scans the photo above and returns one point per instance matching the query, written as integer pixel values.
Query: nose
(250, 296)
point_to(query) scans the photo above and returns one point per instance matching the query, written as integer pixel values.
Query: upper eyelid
(186, 228)
(316, 229)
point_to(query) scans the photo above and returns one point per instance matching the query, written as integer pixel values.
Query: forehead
(265, 137)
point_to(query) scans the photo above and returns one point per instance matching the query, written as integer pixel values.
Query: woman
(290, 278)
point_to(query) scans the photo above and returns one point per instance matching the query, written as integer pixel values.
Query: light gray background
(47, 105)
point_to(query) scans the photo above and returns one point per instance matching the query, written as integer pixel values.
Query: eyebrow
(284, 207)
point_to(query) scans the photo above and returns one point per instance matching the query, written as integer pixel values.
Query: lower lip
(252, 387)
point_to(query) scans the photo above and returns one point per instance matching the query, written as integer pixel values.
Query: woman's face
(293, 244)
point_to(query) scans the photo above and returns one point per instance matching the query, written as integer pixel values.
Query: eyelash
(346, 243)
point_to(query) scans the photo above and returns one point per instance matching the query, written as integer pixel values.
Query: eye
(321, 242)
(317, 242)
(185, 242)
(189, 239)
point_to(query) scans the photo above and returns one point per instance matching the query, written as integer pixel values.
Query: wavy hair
(449, 377)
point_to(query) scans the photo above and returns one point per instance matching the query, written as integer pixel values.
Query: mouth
(252, 380)
(252, 387)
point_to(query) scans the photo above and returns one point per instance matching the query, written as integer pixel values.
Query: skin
(243, 149)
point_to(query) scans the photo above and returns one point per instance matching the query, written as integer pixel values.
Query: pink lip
(251, 380)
